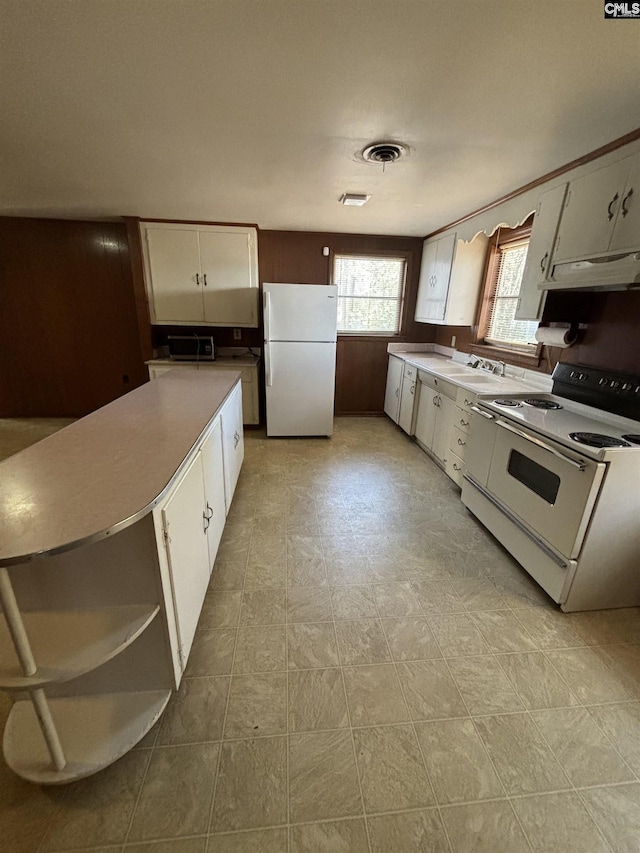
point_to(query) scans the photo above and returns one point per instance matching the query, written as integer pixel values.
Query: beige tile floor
(372, 673)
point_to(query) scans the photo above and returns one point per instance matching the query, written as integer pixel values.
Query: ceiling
(255, 110)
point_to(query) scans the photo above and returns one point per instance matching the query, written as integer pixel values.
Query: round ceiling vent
(383, 152)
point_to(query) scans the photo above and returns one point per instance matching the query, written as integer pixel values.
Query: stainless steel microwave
(191, 348)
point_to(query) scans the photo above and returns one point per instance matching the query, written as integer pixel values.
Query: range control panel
(606, 389)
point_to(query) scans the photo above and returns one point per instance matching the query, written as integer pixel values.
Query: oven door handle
(576, 464)
(483, 413)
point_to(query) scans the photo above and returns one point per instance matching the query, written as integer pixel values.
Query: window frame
(383, 255)
(502, 237)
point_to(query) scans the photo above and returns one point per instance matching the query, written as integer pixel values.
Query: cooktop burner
(542, 404)
(596, 439)
(633, 438)
(507, 402)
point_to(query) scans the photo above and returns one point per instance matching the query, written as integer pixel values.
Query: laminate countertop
(477, 380)
(108, 469)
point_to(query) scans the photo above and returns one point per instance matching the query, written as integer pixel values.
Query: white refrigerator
(300, 322)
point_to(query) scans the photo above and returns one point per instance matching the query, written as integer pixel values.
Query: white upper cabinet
(601, 212)
(450, 278)
(545, 227)
(201, 274)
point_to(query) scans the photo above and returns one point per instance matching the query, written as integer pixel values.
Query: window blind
(370, 292)
(503, 329)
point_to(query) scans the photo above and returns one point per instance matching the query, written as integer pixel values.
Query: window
(498, 325)
(370, 293)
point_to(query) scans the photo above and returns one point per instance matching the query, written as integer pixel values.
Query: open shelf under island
(108, 533)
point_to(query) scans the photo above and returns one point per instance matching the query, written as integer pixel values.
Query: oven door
(550, 489)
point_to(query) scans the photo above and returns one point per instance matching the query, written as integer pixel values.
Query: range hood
(606, 272)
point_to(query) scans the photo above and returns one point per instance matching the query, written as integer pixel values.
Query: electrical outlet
(453, 340)
(237, 334)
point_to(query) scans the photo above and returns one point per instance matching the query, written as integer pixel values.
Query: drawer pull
(468, 402)
(461, 442)
(456, 467)
(464, 423)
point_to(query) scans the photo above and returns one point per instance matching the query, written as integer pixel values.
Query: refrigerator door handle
(267, 366)
(267, 313)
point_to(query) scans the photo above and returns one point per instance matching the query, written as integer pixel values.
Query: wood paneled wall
(69, 338)
(611, 337)
(295, 257)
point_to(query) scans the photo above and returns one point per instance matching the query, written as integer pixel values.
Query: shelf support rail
(27, 661)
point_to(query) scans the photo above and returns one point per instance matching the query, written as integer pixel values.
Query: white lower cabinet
(232, 442)
(406, 415)
(462, 423)
(401, 394)
(184, 525)
(214, 489)
(394, 388)
(436, 414)
(443, 428)
(193, 519)
(427, 414)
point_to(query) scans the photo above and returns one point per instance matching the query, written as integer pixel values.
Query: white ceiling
(253, 110)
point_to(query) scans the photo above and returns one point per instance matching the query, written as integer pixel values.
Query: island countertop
(108, 469)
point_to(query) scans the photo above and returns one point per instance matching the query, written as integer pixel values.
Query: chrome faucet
(500, 368)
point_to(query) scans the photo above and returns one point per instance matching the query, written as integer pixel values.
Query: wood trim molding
(139, 290)
(580, 161)
(192, 222)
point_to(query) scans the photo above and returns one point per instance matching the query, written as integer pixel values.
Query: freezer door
(300, 387)
(300, 312)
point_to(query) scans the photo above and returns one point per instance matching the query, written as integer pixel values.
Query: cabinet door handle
(397, 391)
(456, 467)
(464, 423)
(461, 442)
(205, 525)
(412, 389)
(625, 209)
(197, 279)
(609, 211)
(543, 262)
(435, 400)
(209, 511)
(205, 279)
(439, 401)
(236, 438)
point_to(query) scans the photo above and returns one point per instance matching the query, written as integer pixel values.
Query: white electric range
(556, 478)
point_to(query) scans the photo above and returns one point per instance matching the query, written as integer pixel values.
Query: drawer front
(455, 468)
(459, 441)
(466, 399)
(463, 420)
(410, 372)
(448, 389)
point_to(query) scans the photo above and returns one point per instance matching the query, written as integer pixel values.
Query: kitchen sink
(475, 378)
(450, 369)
